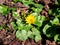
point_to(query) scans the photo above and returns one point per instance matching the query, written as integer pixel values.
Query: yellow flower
(30, 19)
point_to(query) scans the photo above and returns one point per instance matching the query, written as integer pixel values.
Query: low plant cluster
(33, 24)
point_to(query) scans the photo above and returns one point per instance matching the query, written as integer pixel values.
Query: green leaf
(36, 34)
(35, 31)
(16, 0)
(26, 3)
(30, 34)
(14, 25)
(39, 20)
(36, 10)
(3, 10)
(58, 2)
(28, 27)
(45, 28)
(18, 34)
(38, 38)
(50, 11)
(16, 15)
(56, 38)
(1, 27)
(50, 31)
(11, 9)
(20, 26)
(35, 14)
(55, 21)
(38, 6)
(22, 35)
(18, 21)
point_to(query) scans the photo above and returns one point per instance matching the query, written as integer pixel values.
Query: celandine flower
(30, 19)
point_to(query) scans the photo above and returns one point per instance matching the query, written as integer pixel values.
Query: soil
(8, 37)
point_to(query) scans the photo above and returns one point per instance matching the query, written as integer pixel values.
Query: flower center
(30, 19)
